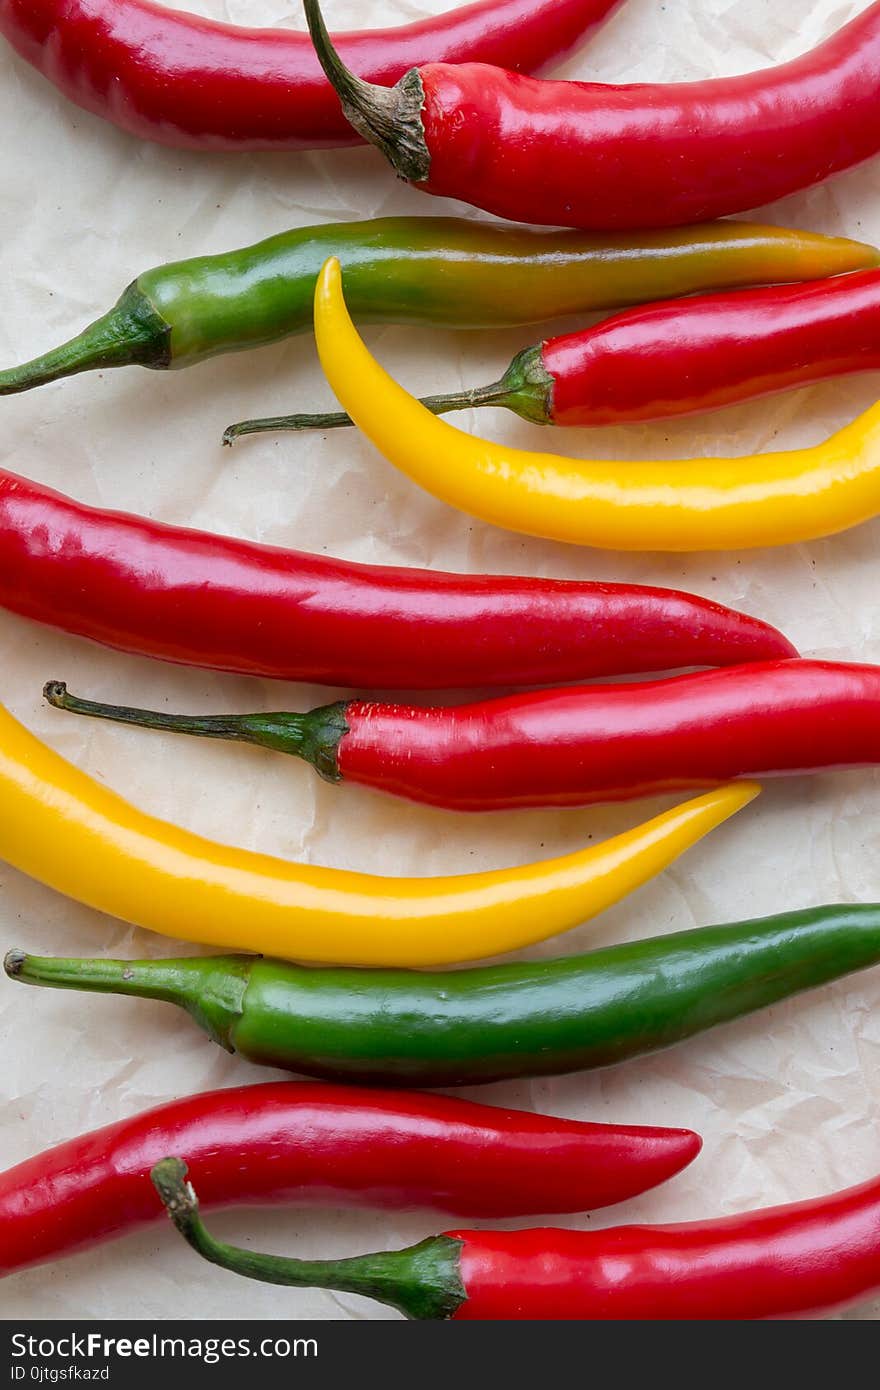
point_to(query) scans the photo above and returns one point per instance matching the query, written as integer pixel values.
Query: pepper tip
(787, 649)
(329, 300)
(692, 1143)
(328, 289)
(331, 272)
(736, 795)
(749, 791)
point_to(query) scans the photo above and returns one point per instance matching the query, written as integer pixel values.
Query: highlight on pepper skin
(776, 1262)
(572, 746)
(196, 83)
(599, 156)
(127, 581)
(306, 1143)
(613, 504)
(493, 1022)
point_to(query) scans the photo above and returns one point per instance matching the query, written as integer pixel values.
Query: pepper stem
(388, 117)
(423, 1281)
(337, 420)
(526, 388)
(313, 735)
(131, 334)
(211, 988)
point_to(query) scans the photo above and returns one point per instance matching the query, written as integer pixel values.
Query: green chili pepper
(467, 1026)
(424, 270)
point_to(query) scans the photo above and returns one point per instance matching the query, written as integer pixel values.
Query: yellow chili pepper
(676, 505)
(66, 830)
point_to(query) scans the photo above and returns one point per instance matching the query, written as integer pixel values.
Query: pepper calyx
(528, 386)
(211, 989)
(314, 735)
(421, 1282)
(388, 117)
(216, 999)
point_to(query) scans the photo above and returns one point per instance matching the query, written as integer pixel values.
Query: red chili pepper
(572, 746)
(676, 359)
(806, 1257)
(203, 600)
(781, 1262)
(580, 154)
(612, 742)
(304, 1142)
(194, 83)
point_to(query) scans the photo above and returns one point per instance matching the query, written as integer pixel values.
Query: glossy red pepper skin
(191, 82)
(580, 154)
(585, 744)
(782, 1262)
(306, 1142)
(714, 350)
(202, 600)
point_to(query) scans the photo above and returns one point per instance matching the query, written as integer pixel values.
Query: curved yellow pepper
(66, 830)
(674, 505)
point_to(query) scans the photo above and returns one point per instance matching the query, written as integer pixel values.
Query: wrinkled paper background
(788, 1100)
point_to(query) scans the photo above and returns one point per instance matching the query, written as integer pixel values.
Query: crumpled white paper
(788, 1100)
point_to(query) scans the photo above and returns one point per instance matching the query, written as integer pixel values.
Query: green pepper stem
(526, 388)
(163, 980)
(423, 1281)
(132, 333)
(313, 735)
(211, 989)
(337, 420)
(388, 117)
